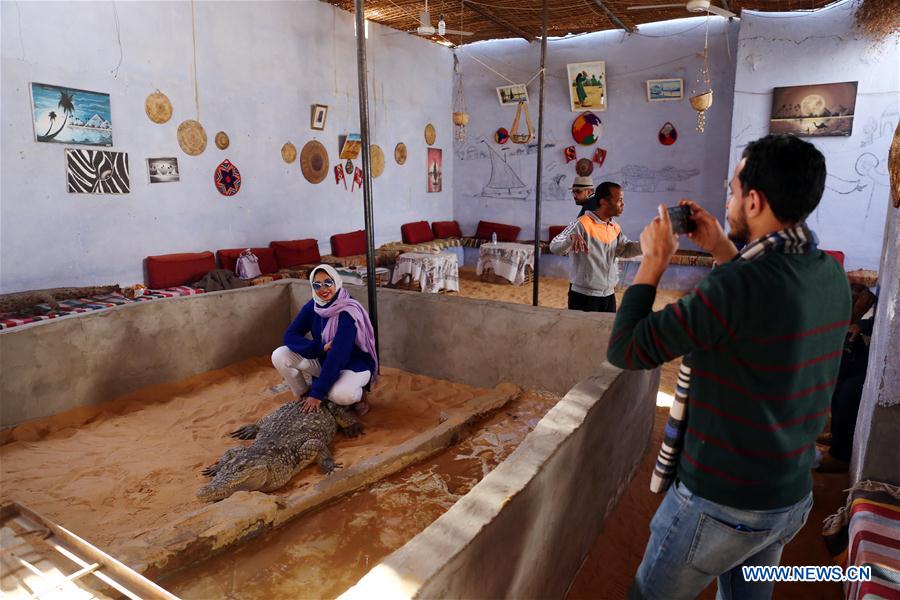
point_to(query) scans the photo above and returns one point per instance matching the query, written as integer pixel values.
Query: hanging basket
(701, 103)
(460, 119)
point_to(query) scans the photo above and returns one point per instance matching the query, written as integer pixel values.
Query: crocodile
(284, 442)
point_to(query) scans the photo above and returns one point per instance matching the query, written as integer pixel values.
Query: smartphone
(680, 216)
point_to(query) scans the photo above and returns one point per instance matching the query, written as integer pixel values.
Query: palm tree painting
(86, 115)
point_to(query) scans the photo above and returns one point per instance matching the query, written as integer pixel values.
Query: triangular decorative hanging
(521, 138)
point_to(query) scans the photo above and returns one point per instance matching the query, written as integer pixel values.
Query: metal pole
(540, 162)
(366, 161)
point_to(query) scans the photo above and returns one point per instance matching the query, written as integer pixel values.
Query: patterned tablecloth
(433, 271)
(506, 259)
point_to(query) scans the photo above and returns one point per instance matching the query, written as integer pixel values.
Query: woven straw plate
(289, 153)
(191, 137)
(377, 156)
(158, 107)
(400, 153)
(222, 140)
(430, 134)
(314, 162)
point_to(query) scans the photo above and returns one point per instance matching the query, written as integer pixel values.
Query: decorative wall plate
(430, 134)
(289, 153)
(501, 136)
(584, 167)
(376, 154)
(192, 137)
(227, 178)
(400, 153)
(314, 161)
(222, 140)
(158, 107)
(587, 128)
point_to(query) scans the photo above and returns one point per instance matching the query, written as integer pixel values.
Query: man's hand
(579, 246)
(708, 233)
(658, 243)
(310, 405)
(326, 347)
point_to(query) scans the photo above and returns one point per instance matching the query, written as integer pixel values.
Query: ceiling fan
(426, 29)
(694, 6)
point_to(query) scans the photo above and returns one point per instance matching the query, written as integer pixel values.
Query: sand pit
(123, 474)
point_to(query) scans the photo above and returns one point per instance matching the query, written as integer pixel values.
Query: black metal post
(366, 162)
(540, 164)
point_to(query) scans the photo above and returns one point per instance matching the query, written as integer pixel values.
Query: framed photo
(65, 115)
(319, 112)
(664, 90)
(163, 170)
(512, 94)
(824, 109)
(587, 86)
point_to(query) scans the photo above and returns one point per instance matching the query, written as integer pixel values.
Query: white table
(506, 259)
(433, 270)
(360, 275)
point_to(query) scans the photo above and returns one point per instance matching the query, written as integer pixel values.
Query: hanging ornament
(357, 179)
(570, 154)
(599, 156)
(460, 116)
(339, 175)
(348, 168)
(522, 138)
(667, 134)
(501, 136)
(587, 128)
(227, 178)
(584, 167)
(702, 97)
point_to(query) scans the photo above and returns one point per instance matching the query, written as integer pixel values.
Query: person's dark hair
(789, 172)
(604, 191)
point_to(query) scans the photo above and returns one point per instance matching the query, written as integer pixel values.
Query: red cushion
(555, 230)
(267, 263)
(505, 233)
(446, 229)
(416, 233)
(837, 254)
(169, 270)
(348, 244)
(291, 253)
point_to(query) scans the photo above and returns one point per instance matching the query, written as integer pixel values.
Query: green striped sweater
(765, 339)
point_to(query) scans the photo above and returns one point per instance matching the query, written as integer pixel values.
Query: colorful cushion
(170, 270)
(505, 233)
(446, 229)
(416, 233)
(295, 252)
(267, 262)
(837, 254)
(555, 230)
(348, 244)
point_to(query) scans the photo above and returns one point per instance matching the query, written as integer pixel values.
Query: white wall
(260, 67)
(784, 49)
(631, 123)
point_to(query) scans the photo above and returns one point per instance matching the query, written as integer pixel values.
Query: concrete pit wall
(522, 531)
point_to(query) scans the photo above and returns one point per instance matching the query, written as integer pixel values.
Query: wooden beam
(498, 21)
(612, 17)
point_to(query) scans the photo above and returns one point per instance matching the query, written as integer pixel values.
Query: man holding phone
(594, 242)
(762, 337)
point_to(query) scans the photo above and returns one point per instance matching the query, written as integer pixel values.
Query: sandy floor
(122, 469)
(320, 555)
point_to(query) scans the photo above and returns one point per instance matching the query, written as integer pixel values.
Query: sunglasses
(326, 283)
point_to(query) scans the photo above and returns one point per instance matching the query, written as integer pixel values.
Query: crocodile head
(247, 473)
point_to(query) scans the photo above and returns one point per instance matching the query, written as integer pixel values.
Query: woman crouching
(340, 359)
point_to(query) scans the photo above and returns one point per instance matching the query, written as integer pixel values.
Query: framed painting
(351, 146)
(587, 86)
(97, 172)
(819, 110)
(512, 94)
(319, 113)
(64, 115)
(664, 90)
(435, 170)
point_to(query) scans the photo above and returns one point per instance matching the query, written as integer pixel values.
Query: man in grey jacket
(594, 242)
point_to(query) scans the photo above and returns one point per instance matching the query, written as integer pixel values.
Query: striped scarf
(792, 240)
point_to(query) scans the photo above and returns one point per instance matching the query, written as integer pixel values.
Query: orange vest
(605, 233)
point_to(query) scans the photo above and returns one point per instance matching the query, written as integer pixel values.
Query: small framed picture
(512, 94)
(163, 170)
(319, 112)
(664, 90)
(587, 85)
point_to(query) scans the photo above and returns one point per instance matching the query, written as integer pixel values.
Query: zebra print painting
(97, 172)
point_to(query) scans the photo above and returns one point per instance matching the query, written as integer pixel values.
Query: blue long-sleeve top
(343, 354)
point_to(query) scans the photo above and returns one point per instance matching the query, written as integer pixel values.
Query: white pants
(298, 373)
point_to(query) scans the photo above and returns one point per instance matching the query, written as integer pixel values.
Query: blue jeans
(693, 541)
